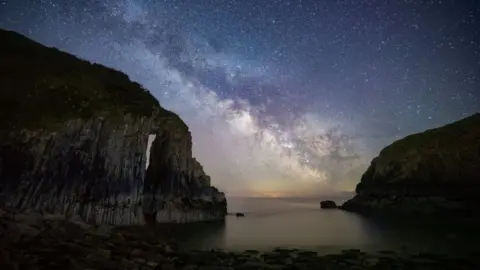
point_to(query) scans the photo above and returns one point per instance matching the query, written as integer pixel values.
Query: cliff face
(434, 172)
(76, 139)
(185, 187)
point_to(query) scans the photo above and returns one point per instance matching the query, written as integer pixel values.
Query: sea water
(301, 223)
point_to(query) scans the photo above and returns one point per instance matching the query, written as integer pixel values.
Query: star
(304, 91)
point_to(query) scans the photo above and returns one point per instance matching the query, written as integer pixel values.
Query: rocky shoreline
(35, 241)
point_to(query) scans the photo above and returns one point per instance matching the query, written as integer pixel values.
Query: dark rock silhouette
(328, 204)
(435, 172)
(74, 138)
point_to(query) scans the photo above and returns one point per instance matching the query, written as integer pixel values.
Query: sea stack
(436, 172)
(328, 204)
(76, 139)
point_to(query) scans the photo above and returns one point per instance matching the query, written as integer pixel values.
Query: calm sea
(300, 223)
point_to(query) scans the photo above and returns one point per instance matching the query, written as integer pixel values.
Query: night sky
(282, 97)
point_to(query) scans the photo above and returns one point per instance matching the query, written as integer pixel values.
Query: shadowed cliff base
(74, 138)
(433, 174)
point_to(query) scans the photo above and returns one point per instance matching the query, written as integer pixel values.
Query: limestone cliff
(76, 138)
(433, 172)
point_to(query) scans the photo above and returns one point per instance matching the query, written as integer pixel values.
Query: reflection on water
(300, 223)
(206, 235)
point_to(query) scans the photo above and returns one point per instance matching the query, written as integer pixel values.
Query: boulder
(328, 204)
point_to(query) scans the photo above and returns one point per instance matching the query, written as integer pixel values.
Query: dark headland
(76, 193)
(74, 137)
(433, 174)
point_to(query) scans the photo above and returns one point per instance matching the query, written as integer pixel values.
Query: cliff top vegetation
(42, 86)
(459, 134)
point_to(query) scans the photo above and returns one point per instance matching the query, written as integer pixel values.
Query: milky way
(282, 97)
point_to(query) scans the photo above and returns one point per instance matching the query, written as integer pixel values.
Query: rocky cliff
(433, 172)
(76, 139)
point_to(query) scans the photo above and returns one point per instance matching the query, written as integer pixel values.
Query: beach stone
(136, 253)
(151, 264)
(282, 250)
(371, 261)
(117, 238)
(165, 266)
(139, 260)
(273, 257)
(158, 258)
(167, 249)
(121, 251)
(277, 267)
(78, 221)
(307, 253)
(127, 264)
(29, 219)
(103, 230)
(98, 255)
(24, 229)
(75, 249)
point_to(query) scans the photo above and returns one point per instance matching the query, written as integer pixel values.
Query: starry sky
(283, 97)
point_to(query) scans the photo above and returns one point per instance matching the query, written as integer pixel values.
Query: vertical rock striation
(76, 139)
(176, 187)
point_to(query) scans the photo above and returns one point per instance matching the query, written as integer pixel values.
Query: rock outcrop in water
(74, 138)
(434, 172)
(328, 204)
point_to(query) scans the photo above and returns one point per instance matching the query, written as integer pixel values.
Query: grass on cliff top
(41, 87)
(459, 134)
